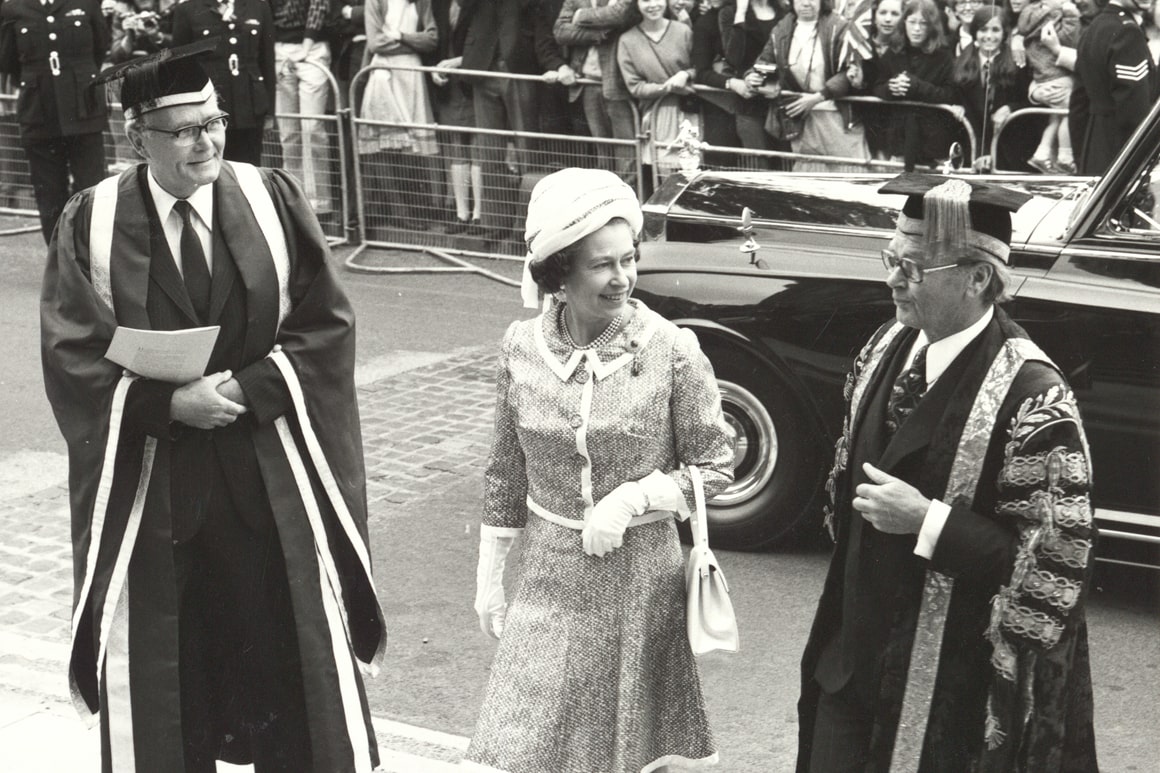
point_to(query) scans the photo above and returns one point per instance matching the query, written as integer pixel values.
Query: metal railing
(1014, 117)
(398, 199)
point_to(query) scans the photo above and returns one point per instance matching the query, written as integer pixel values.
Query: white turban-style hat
(565, 207)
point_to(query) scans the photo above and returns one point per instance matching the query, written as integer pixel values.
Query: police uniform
(242, 69)
(53, 50)
(1115, 85)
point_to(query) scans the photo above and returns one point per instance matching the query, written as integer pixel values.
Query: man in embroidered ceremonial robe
(223, 591)
(950, 635)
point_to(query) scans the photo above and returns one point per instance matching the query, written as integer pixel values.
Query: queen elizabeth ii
(600, 402)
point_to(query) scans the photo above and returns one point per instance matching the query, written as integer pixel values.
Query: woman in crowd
(454, 107)
(241, 67)
(655, 58)
(726, 42)
(990, 87)
(806, 47)
(600, 402)
(862, 73)
(917, 68)
(396, 158)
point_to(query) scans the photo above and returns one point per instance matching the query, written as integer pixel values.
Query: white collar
(201, 200)
(942, 353)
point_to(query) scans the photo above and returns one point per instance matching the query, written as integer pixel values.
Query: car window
(1139, 217)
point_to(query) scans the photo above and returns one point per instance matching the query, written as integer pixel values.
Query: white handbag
(710, 619)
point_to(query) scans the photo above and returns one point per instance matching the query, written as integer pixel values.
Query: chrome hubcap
(755, 448)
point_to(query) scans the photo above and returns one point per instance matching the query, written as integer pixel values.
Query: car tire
(779, 471)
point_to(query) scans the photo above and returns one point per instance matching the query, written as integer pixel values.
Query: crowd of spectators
(754, 74)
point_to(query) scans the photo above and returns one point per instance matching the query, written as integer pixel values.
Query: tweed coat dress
(594, 671)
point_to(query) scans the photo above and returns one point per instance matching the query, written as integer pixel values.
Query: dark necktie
(908, 389)
(193, 265)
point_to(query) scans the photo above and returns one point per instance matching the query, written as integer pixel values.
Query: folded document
(177, 356)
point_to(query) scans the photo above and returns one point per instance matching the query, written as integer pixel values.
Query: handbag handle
(700, 525)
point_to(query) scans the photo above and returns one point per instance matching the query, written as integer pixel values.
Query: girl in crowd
(454, 107)
(990, 87)
(863, 74)
(1051, 84)
(806, 46)
(398, 33)
(727, 39)
(917, 67)
(655, 58)
(600, 404)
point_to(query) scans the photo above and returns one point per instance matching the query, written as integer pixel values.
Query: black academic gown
(126, 639)
(864, 631)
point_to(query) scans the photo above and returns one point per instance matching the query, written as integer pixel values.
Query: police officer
(1116, 83)
(53, 50)
(242, 68)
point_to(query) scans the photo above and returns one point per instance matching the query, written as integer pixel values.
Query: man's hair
(134, 124)
(998, 290)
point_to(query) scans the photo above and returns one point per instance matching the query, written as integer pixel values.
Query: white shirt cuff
(932, 526)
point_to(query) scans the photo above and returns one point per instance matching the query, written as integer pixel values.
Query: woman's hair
(1003, 69)
(936, 34)
(824, 7)
(549, 273)
(874, 17)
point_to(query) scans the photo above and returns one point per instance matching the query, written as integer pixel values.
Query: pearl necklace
(600, 340)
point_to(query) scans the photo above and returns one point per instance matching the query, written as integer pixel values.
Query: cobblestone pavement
(422, 429)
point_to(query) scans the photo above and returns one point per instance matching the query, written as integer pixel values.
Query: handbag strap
(700, 525)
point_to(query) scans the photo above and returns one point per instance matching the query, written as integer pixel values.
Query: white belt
(572, 523)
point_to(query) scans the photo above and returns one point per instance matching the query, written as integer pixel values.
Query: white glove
(663, 493)
(604, 530)
(490, 604)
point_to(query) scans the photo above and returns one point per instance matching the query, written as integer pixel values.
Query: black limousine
(782, 325)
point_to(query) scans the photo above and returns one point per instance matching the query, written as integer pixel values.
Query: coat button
(577, 421)
(50, 19)
(233, 41)
(232, 25)
(52, 36)
(205, 32)
(581, 376)
(77, 23)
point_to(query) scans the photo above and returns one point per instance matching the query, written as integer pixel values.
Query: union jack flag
(857, 37)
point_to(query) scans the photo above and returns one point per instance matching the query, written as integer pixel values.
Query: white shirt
(939, 357)
(201, 202)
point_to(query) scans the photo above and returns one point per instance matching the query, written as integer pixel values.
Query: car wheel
(778, 464)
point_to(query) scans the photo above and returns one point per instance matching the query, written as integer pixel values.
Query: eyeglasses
(189, 135)
(910, 269)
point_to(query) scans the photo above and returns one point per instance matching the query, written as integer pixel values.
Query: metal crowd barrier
(1014, 116)
(403, 181)
(16, 196)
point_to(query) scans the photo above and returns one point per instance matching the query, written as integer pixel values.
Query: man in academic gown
(223, 592)
(950, 634)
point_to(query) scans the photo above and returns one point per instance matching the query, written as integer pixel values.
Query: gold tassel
(993, 734)
(947, 215)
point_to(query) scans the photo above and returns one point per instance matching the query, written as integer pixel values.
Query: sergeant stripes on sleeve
(1132, 72)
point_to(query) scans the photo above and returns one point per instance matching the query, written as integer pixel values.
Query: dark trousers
(842, 728)
(503, 104)
(241, 676)
(49, 163)
(244, 145)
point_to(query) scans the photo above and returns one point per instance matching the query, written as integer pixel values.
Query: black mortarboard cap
(956, 211)
(172, 76)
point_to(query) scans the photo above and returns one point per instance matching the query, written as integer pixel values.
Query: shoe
(475, 228)
(412, 224)
(458, 226)
(1065, 167)
(1041, 165)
